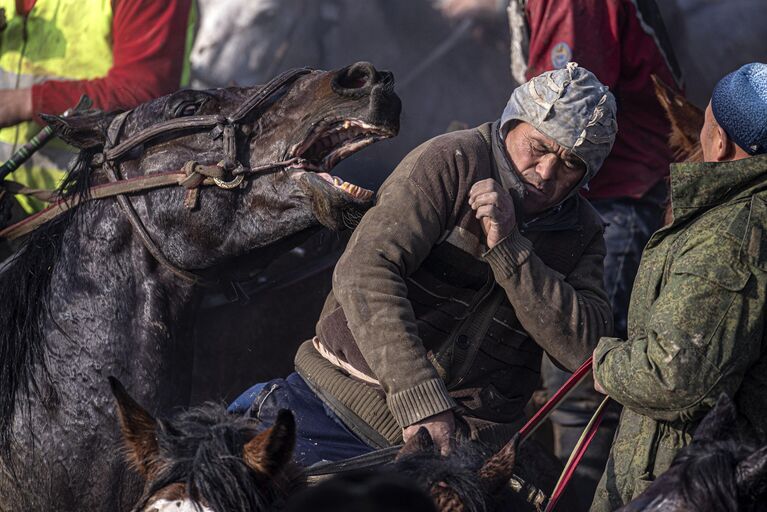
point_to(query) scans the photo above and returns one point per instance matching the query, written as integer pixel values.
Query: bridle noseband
(191, 176)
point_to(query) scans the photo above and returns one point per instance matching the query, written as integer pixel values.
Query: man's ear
(724, 148)
(84, 131)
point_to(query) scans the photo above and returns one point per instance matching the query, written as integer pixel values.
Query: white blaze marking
(186, 505)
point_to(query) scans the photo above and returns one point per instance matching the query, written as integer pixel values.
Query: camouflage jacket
(696, 325)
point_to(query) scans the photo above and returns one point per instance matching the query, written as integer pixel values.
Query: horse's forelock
(202, 448)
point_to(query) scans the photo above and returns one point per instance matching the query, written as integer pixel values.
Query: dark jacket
(436, 321)
(696, 325)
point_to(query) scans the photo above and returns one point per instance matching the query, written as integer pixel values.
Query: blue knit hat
(739, 104)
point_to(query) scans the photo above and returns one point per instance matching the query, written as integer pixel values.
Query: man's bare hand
(494, 208)
(15, 106)
(462, 9)
(597, 386)
(441, 427)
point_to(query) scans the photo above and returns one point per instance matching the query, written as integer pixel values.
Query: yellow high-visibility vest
(68, 40)
(58, 39)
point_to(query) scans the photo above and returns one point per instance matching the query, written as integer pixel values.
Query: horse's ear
(499, 468)
(751, 476)
(83, 130)
(421, 442)
(686, 120)
(139, 430)
(269, 452)
(719, 423)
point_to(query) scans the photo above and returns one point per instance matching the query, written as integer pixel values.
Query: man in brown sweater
(479, 255)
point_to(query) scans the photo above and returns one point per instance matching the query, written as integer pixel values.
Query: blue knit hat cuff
(739, 105)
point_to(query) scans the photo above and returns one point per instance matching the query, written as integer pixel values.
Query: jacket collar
(701, 186)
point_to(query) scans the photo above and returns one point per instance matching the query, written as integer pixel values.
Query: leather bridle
(191, 176)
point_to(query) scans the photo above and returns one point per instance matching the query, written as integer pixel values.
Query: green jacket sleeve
(565, 315)
(704, 331)
(390, 243)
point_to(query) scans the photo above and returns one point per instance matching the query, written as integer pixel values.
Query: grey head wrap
(571, 106)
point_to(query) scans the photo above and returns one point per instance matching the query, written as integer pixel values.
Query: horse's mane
(457, 471)
(707, 474)
(24, 283)
(202, 448)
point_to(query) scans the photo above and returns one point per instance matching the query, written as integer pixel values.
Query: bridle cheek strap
(191, 176)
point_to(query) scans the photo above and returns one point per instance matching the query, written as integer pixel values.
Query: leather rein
(191, 176)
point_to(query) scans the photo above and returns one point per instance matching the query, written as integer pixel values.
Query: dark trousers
(320, 435)
(630, 223)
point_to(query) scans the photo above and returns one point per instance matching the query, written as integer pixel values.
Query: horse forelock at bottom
(203, 449)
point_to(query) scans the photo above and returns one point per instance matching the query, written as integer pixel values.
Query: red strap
(575, 458)
(544, 412)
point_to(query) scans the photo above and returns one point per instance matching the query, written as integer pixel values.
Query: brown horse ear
(268, 452)
(751, 476)
(500, 467)
(83, 130)
(139, 430)
(421, 442)
(719, 424)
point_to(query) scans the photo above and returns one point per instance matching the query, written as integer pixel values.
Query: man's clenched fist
(494, 208)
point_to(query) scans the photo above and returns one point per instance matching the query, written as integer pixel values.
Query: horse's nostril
(356, 76)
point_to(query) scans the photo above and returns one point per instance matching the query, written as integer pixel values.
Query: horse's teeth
(350, 188)
(347, 124)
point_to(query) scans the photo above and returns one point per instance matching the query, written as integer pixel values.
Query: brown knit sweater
(416, 271)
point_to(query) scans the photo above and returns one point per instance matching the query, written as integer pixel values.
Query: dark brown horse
(86, 297)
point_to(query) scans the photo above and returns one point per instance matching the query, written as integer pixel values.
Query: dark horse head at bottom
(102, 291)
(718, 472)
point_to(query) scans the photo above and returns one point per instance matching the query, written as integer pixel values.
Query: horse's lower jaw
(346, 217)
(332, 205)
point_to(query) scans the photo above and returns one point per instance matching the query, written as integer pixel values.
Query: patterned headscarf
(571, 106)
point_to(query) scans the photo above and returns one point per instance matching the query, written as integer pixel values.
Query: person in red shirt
(120, 53)
(148, 49)
(623, 42)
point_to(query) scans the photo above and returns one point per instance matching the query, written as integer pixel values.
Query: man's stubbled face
(548, 171)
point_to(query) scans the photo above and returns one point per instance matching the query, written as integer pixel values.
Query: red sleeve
(585, 31)
(149, 38)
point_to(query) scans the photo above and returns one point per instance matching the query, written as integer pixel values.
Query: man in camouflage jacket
(696, 321)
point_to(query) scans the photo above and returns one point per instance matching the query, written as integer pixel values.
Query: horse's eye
(187, 108)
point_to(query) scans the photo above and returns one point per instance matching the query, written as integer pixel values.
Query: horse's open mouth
(328, 144)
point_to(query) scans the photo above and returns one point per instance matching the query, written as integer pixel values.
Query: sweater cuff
(419, 402)
(509, 254)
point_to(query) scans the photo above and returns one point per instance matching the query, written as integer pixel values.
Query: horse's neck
(124, 311)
